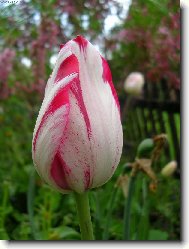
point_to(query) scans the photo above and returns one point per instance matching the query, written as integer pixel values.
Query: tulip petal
(107, 77)
(102, 105)
(59, 172)
(67, 67)
(50, 126)
(93, 137)
(78, 135)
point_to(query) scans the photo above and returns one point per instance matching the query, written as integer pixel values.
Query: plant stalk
(83, 209)
(127, 209)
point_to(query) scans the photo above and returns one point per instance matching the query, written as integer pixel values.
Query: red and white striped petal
(50, 126)
(85, 152)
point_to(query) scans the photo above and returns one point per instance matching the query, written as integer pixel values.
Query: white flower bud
(169, 169)
(134, 83)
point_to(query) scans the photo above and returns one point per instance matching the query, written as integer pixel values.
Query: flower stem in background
(143, 226)
(127, 209)
(83, 209)
(127, 106)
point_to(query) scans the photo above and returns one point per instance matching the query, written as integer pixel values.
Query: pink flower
(6, 61)
(77, 140)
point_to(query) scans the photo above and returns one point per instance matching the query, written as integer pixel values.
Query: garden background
(142, 36)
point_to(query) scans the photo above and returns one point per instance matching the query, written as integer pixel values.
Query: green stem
(83, 209)
(127, 209)
(143, 225)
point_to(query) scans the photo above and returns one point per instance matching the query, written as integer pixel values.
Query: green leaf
(158, 235)
(3, 234)
(64, 232)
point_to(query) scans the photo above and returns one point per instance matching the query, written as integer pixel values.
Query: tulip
(77, 140)
(169, 169)
(134, 83)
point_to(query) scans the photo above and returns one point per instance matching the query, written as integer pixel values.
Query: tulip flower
(134, 83)
(77, 140)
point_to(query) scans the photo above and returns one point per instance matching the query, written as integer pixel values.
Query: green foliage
(157, 235)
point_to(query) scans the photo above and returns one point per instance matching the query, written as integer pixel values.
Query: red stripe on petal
(59, 172)
(60, 99)
(61, 46)
(77, 91)
(107, 77)
(81, 41)
(67, 67)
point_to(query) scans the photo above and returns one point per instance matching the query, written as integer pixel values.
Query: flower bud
(145, 148)
(134, 84)
(77, 140)
(127, 167)
(169, 169)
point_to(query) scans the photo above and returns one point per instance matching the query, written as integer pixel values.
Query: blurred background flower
(134, 83)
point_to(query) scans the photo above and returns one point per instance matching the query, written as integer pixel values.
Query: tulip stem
(127, 209)
(83, 209)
